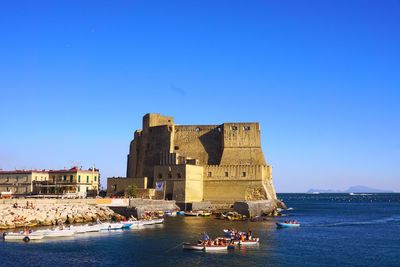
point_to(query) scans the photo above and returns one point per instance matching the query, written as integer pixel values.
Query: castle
(194, 163)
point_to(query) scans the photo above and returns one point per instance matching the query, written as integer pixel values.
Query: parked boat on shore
(56, 233)
(133, 223)
(111, 226)
(81, 229)
(23, 236)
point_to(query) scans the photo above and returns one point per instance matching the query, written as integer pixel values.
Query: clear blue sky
(322, 78)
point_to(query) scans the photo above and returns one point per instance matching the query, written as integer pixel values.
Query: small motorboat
(251, 242)
(23, 236)
(192, 214)
(152, 221)
(287, 224)
(86, 228)
(56, 233)
(111, 226)
(170, 213)
(180, 213)
(205, 214)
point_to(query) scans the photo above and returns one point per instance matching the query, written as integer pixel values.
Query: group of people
(27, 231)
(291, 222)
(29, 205)
(217, 242)
(242, 236)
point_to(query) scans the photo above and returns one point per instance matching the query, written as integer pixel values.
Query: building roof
(22, 171)
(72, 170)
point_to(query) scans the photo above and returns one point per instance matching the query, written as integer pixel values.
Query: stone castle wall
(231, 152)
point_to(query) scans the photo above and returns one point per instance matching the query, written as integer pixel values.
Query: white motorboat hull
(21, 237)
(111, 226)
(189, 246)
(246, 242)
(86, 228)
(58, 233)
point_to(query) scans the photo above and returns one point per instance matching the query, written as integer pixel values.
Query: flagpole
(165, 187)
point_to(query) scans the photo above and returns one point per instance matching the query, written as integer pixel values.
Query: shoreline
(12, 217)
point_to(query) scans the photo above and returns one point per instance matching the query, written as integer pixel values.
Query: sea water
(336, 230)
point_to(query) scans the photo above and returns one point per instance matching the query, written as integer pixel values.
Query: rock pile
(46, 215)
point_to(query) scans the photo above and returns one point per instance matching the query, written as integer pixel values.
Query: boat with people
(207, 244)
(241, 238)
(190, 246)
(288, 224)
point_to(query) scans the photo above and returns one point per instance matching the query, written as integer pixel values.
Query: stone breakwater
(47, 215)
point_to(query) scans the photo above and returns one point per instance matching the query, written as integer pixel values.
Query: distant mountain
(352, 189)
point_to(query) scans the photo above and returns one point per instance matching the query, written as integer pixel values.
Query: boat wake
(378, 221)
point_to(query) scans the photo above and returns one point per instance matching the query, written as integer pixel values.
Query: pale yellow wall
(20, 183)
(81, 180)
(194, 183)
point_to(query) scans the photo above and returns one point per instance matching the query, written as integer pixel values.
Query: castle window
(169, 175)
(198, 129)
(176, 147)
(226, 174)
(243, 174)
(114, 187)
(234, 128)
(79, 178)
(179, 175)
(209, 174)
(246, 128)
(160, 176)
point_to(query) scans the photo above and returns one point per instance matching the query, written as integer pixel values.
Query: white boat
(152, 221)
(23, 236)
(247, 242)
(190, 246)
(111, 226)
(56, 233)
(86, 228)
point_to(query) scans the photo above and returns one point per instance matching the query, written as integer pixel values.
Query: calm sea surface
(337, 230)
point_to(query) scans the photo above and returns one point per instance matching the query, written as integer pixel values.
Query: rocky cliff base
(252, 209)
(46, 215)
